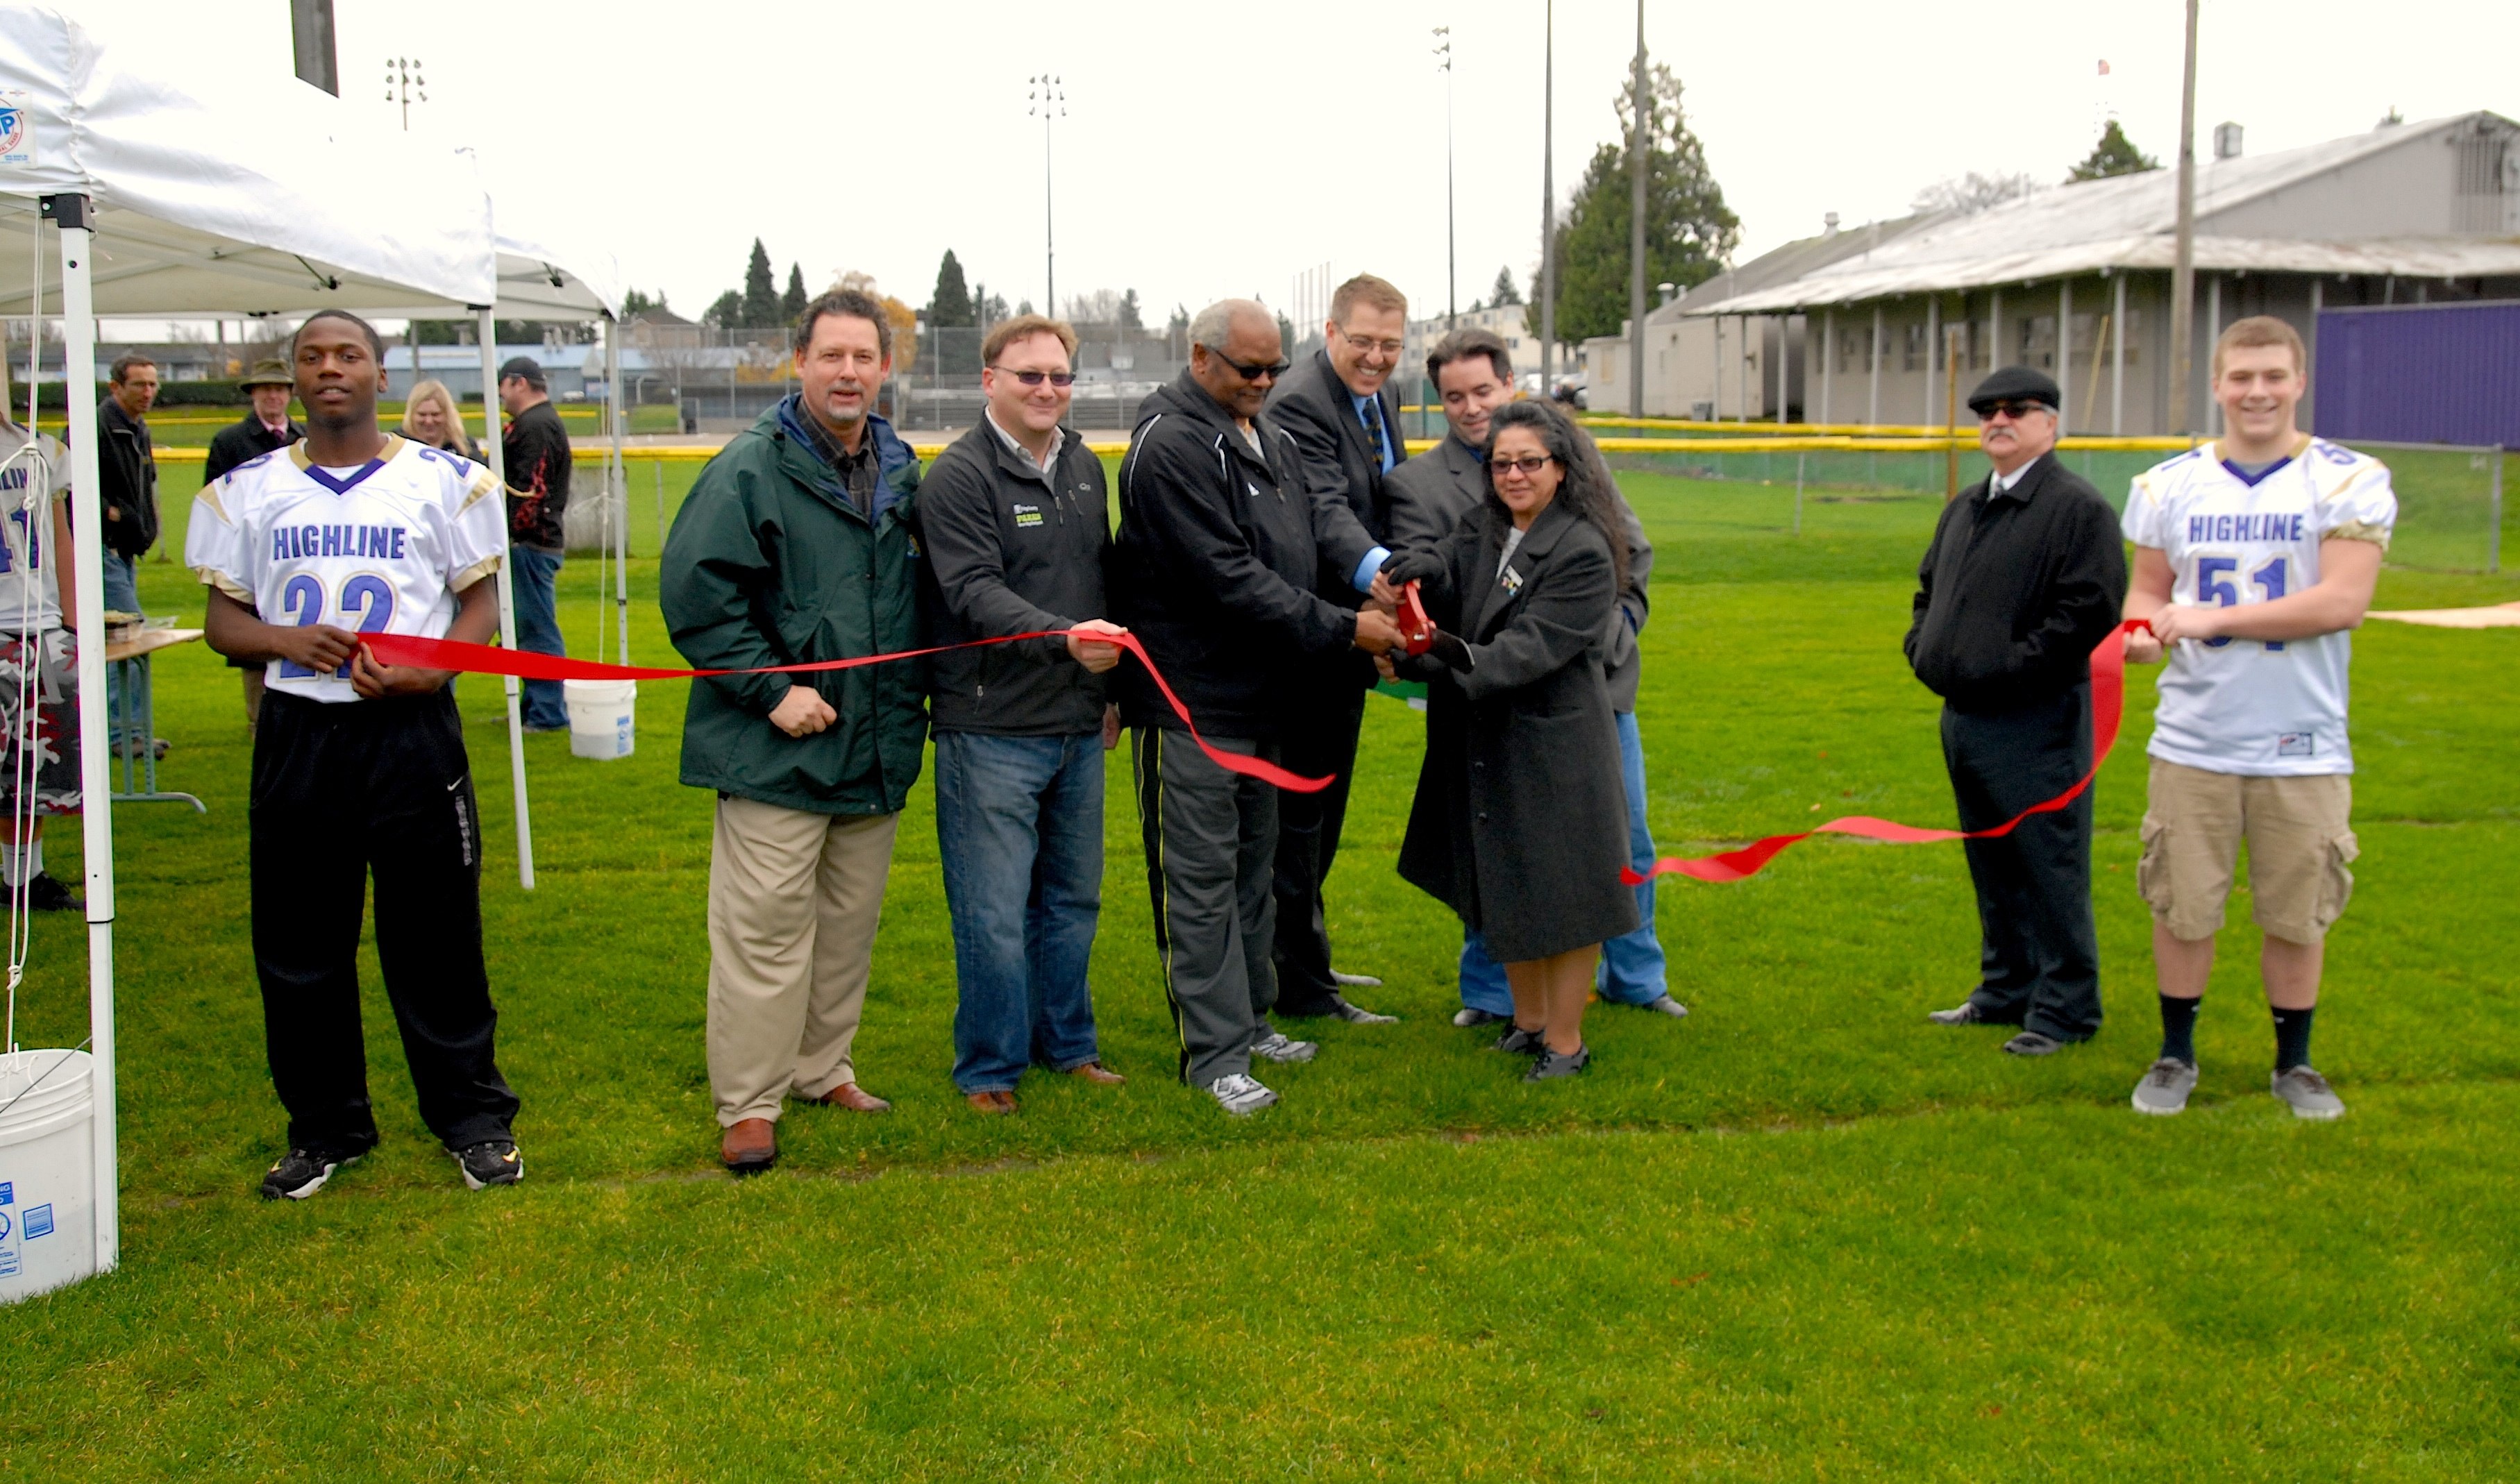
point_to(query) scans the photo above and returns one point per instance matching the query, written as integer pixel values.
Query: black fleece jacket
(2016, 590)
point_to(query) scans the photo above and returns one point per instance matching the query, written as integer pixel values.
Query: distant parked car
(1570, 392)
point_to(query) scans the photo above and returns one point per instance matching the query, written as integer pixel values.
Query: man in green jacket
(791, 549)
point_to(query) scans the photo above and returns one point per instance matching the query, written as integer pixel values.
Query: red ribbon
(2108, 704)
(525, 664)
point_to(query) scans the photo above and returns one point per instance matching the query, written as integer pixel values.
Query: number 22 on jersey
(368, 597)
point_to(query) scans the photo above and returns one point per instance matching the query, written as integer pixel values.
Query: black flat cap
(2015, 384)
(532, 370)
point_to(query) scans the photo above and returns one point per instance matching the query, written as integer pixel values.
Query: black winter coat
(1009, 554)
(128, 465)
(2016, 591)
(242, 442)
(1520, 824)
(1213, 567)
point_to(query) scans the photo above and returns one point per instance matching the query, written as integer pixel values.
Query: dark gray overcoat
(1520, 823)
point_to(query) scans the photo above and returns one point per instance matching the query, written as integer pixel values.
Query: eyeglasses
(1036, 377)
(2016, 410)
(1364, 343)
(1528, 464)
(1249, 373)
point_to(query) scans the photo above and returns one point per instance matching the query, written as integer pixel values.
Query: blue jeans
(538, 630)
(122, 594)
(1631, 965)
(1020, 830)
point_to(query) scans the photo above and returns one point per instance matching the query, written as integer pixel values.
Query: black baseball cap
(528, 367)
(2016, 384)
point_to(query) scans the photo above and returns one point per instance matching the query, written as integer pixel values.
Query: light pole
(1640, 146)
(2183, 272)
(1049, 100)
(404, 85)
(1548, 194)
(1451, 281)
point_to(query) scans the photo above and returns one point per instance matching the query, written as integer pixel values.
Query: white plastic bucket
(602, 717)
(47, 1172)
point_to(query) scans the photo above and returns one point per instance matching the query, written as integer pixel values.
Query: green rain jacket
(770, 563)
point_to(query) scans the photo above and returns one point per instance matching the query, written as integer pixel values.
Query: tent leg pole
(619, 481)
(497, 456)
(96, 787)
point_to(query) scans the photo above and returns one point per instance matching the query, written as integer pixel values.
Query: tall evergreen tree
(1690, 232)
(639, 302)
(2114, 154)
(950, 307)
(761, 292)
(792, 304)
(1132, 317)
(1504, 293)
(727, 313)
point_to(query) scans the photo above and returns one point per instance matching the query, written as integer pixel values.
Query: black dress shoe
(1968, 1013)
(1521, 1042)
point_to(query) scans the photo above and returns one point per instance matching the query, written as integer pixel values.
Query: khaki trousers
(793, 898)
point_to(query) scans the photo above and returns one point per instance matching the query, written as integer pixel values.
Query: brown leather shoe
(1096, 1072)
(750, 1146)
(855, 1099)
(991, 1102)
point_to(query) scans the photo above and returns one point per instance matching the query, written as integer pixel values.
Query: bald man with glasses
(1338, 406)
(1216, 569)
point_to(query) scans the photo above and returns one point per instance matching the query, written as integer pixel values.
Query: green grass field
(1800, 1235)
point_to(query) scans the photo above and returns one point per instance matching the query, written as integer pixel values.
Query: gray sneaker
(2308, 1093)
(1238, 1094)
(2165, 1087)
(1358, 1014)
(1467, 1017)
(1278, 1046)
(1355, 981)
(1667, 1005)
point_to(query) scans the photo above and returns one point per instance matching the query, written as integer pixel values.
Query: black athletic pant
(341, 791)
(1322, 741)
(2039, 955)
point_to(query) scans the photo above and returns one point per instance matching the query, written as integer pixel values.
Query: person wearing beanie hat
(266, 429)
(2023, 579)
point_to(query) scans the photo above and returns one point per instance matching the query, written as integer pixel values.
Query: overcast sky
(1213, 150)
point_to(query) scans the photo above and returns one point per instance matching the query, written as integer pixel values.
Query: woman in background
(429, 415)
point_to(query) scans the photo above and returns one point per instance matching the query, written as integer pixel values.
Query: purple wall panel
(2420, 374)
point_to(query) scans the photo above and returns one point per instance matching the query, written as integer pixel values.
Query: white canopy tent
(163, 206)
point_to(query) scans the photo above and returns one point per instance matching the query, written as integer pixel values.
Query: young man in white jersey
(39, 759)
(359, 767)
(2255, 559)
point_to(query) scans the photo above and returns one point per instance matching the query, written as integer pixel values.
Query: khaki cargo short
(2301, 840)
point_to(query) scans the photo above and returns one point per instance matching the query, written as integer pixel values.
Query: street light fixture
(404, 85)
(1452, 284)
(1049, 100)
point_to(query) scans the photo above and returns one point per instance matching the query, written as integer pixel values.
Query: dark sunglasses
(1529, 463)
(2016, 410)
(1035, 378)
(1251, 373)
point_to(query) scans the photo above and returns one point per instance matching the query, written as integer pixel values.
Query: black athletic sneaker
(301, 1173)
(492, 1162)
(45, 893)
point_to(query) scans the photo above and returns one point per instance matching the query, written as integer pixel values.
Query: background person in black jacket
(2024, 578)
(1014, 527)
(264, 430)
(127, 463)
(1214, 568)
(538, 461)
(1337, 406)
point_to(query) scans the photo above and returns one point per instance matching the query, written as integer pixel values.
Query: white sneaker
(1238, 1094)
(2165, 1087)
(1278, 1046)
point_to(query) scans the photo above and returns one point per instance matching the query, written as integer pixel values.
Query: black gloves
(1412, 567)
(1448, 649)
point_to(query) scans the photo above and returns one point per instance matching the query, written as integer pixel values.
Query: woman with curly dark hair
(1520, 823)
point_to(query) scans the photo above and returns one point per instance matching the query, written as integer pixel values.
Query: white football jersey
(2241, 705)
(382, 548)
(30, 591)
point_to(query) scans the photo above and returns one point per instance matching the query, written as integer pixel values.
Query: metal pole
(2182, 273)
(1785, 361)
(1715, 404)
(1933, 351)
(1049, 226)
(2117, 360)
(72, 213)
(1995, 328)
(617, 478)
(1451, 279)
(1547, 194)
(1639, 145)
(496, 457)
